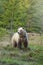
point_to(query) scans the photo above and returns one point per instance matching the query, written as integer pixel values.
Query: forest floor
(33, 55)
(13, 56)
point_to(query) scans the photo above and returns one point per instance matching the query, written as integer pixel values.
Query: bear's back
(15, 37)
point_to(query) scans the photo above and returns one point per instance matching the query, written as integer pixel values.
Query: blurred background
(21, 13)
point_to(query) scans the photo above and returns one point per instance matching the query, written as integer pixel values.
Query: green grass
(14, 56)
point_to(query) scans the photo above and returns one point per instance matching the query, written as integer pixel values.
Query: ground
(31, 56)
(14, 56)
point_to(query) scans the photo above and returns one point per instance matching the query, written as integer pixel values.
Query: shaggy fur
(20, 37)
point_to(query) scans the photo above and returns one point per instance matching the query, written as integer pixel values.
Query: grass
(14, 56)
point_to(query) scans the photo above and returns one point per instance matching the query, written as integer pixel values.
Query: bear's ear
(23, 27)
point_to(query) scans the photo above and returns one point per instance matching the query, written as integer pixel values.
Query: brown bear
(20, 37)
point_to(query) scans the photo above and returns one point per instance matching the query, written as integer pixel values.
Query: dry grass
(33, 39)
(15, 56)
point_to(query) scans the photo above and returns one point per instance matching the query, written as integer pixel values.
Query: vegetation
(25, 13)
(12, 56)
(28, 14)
(30, 56)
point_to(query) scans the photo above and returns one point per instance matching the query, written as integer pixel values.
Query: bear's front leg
(14, 44)
(25, 43)
(20, 44)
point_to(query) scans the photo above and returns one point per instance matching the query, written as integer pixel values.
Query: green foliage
(23, 13)
(3, 32)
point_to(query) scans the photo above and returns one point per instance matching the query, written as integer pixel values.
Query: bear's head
(22, 31)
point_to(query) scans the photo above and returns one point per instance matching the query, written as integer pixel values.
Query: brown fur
(24, 41)
(21, 40)
(21, 37)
